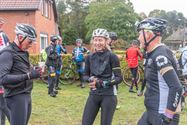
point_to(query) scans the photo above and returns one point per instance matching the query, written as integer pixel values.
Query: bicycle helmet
(78, 40)
(135, 42)
(155, 24)
(100, 32)
(113, 36)
(53, 38)
(59, 37)
(26, 30)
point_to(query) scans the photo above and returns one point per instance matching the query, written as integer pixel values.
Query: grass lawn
(67, 107)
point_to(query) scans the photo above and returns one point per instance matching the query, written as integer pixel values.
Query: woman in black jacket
(103, 73)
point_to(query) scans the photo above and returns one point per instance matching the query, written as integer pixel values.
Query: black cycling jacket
(106, 67)
(163, 85)
(14, 66)
(52, 56)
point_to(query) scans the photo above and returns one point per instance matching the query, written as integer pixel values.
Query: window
(43, 41)
(45, 8)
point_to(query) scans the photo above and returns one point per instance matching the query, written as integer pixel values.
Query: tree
(71, 19)
(113, 15)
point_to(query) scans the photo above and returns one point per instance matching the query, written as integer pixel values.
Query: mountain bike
(127, 76)
(68, 73)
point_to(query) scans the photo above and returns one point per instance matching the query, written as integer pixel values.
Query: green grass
(67, 107)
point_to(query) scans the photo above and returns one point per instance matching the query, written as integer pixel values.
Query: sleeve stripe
(116, 68)
(166, 69)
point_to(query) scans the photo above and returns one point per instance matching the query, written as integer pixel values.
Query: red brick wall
(13, 17)
(35, 18)
(45, 25)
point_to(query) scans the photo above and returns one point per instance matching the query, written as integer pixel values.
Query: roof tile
(19, 4)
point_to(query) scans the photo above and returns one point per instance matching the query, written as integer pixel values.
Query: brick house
(41, 14)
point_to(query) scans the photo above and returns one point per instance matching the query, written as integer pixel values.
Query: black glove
(34, 74)
(165, 120)
(102, 84)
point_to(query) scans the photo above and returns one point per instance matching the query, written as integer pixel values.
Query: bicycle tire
(68, 76)
(127, 78)
(44, 79)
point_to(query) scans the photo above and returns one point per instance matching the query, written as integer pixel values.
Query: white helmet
(100, 32)
(26, 30)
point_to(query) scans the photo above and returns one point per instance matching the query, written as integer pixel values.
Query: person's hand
(36, 73)
(102, 84)
(92, 85)
(165, 120)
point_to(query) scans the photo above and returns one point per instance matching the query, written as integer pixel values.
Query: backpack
(181, 66)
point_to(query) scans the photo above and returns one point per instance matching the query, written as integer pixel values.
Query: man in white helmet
(16, 74)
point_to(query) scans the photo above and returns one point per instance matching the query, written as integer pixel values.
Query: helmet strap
(20, 42)
(147, 43)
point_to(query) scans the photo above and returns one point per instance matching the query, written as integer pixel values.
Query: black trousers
(94, 103)
(3, 111)
(154, 118)
(20, 109)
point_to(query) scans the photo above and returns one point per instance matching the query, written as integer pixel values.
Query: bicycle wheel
(68, 76)
(127, 77)
(44, 79)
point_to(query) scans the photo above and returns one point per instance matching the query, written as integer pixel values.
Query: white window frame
(46, 8)
(45, 42)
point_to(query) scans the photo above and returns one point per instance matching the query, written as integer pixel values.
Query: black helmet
(113, 36)
(26, 30)
(135, 42)
(155, 24)
(53, 38)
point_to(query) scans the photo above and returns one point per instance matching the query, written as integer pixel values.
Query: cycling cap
(100, 32)
(113, 36)
(154, 24)
(78, 40)
(26, 30)
(53, 38)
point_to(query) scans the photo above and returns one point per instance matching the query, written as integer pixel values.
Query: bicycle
(127, 77)
(68, 73)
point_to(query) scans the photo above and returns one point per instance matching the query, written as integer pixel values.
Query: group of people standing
(101, 71)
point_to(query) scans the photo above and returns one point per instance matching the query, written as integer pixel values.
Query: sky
(168, 5)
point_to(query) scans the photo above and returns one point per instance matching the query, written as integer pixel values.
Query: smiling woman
(102, 71)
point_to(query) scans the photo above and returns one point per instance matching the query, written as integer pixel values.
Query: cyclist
(113, 37)
(100, 66)
(17, 76)
(52, 63)
(78, 57)
(60, 50)
(132, 55)
(3, 108)
(164, 90)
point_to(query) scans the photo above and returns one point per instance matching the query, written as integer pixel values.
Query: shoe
(82, 86)
(118, 107)
(52, 95)
(140, 93)
(58, 88)
(55, 92)
(130, 90)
